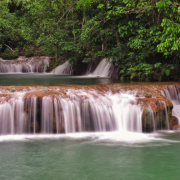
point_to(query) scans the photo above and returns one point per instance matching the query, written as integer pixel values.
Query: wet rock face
(156, 113)
(152, 121)
(115, 73)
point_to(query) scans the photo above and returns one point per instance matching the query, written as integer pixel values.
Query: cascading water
(73, 111)
(63, 69)
(30, 108)
(24, 65)
(47, 115)
(12, 116)
(98, 108)
(104, 69)
(172, 92)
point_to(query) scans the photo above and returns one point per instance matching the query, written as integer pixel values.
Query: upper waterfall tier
(63, 69)
(70, 109)
(24, 65)
(104, 69)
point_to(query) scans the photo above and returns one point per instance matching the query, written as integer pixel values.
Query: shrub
(8, 54)
(29, 51)
(148, 72)
(33, 51)
(13, 89)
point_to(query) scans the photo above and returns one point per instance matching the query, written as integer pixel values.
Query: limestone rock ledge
(156, 109)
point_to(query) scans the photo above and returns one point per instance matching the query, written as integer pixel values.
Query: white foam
(23, 64)
(173, 94)
(109, 137)
(103, 69)
(62, 69)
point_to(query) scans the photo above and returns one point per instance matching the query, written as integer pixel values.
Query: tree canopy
(142, 37)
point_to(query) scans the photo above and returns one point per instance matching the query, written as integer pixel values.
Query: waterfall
(12, 116)
(47, 115)
(24, 65)
(30, 108)
(62, 69)
(104, 69)
(172, 92)
(70, 112)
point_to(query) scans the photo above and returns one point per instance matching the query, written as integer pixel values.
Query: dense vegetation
(142, 37)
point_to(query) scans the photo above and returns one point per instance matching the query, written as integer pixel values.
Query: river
(100, 135)
(90, 156)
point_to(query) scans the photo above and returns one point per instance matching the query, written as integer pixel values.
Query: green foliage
(8, 54)
(29, 51)
(142, 37)
(33, 51)
(13, 89)
(148, 72)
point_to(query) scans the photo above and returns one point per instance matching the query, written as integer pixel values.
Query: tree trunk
(117, 38)
(9, 47)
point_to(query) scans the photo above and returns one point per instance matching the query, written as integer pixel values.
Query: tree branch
(66, 13)
(9, 47)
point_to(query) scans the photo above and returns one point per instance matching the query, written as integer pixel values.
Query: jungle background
(141, 37)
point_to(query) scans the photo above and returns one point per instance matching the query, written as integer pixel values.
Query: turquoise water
(45, 79)
(90, 157)
(55, 80)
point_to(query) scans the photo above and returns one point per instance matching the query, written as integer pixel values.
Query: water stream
(72, 111)
(40, 64)
(63, 69)
(104, 69)
(24, 65)
(173, 94)
(82, 133)
(90, 156)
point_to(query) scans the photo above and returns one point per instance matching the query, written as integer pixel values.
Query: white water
(25, 65)
(62, 69)
(131, 138)
(172, 93)
(104, 69)
(32, 65)
(30, 106)
(12, 116)
(98, 112)
(47, 115)
(80, 111)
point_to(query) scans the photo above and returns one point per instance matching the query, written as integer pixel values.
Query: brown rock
(173, 122)
(176, 127)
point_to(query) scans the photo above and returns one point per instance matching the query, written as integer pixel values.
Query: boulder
(173, 121)
(176, 127)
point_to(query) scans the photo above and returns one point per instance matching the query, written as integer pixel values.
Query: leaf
(167, 72)
(157, 65)
(133, 75)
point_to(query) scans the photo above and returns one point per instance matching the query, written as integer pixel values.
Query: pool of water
(94, 156)
(86, 156)
(55, 80)
(49, 79)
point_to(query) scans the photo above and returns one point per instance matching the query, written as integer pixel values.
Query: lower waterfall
(12, 116)
(81, 111)
(172, 92)
(101, 108)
